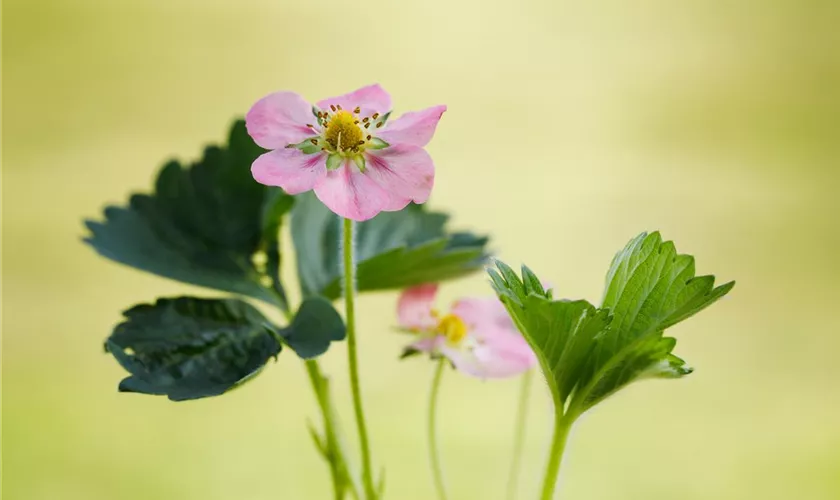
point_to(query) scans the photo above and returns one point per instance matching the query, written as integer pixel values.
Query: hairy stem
(519, 436)
(342, 478)
(350, 318)
(434, 453)
(562, 425)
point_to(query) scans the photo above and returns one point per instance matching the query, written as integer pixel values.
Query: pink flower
(477, 335)
(358, 162)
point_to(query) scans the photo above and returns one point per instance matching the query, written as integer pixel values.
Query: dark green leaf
(314, 327)
(589, 353)
(393, 250)
(203, 224)
(190, 348)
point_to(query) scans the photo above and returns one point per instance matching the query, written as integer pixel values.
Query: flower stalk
(519, 434)
(434, 452)
(342, 478)
(562, 426)
(352, 358)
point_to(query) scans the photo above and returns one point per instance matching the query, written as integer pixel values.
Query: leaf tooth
(512, 280)
(531, 281)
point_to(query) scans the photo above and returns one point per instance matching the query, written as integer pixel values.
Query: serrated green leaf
(561, 333)
(190, 348)
(589, 353)
(649, 288)
(203, 224)
(393, 250)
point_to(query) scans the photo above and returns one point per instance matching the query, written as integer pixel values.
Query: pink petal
(414, 309)
(395, 203)
(280, 119)
(428, 344)
(415, 128)
(484, 314)
(502, 354)
(350, 193)
(290, 169)
(405, 172)
(372, 98)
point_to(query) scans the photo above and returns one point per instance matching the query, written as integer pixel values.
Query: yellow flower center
(453, 328)
(343, 133)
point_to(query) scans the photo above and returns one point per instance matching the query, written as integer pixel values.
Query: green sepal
(377, 143)
(409, 352)
(360, 162)
(315, 111)
(334, 161)
(307, 146)
(383, 119)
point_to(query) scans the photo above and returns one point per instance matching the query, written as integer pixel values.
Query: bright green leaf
(649, 288)
(203, 224)
(589, 353)
(393, 250)
(190, 348)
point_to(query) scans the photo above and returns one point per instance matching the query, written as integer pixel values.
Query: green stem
(434, 454)
(519, 436)
(562, 426)
(342, 478)
(350, 313)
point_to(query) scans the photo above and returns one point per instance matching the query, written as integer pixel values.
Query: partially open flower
(477, 335)
(358, 162)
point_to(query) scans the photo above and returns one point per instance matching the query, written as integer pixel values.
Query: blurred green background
(571, 128)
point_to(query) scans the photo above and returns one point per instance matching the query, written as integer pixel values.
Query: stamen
(314, 141)
(342, 134)
(380, 124)
(357, 110)
(452, 328)
(332, 107)
(367, 125)
(369, 136)
(309, 125)
(338, 106)
(365, 119)
(375, 116)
